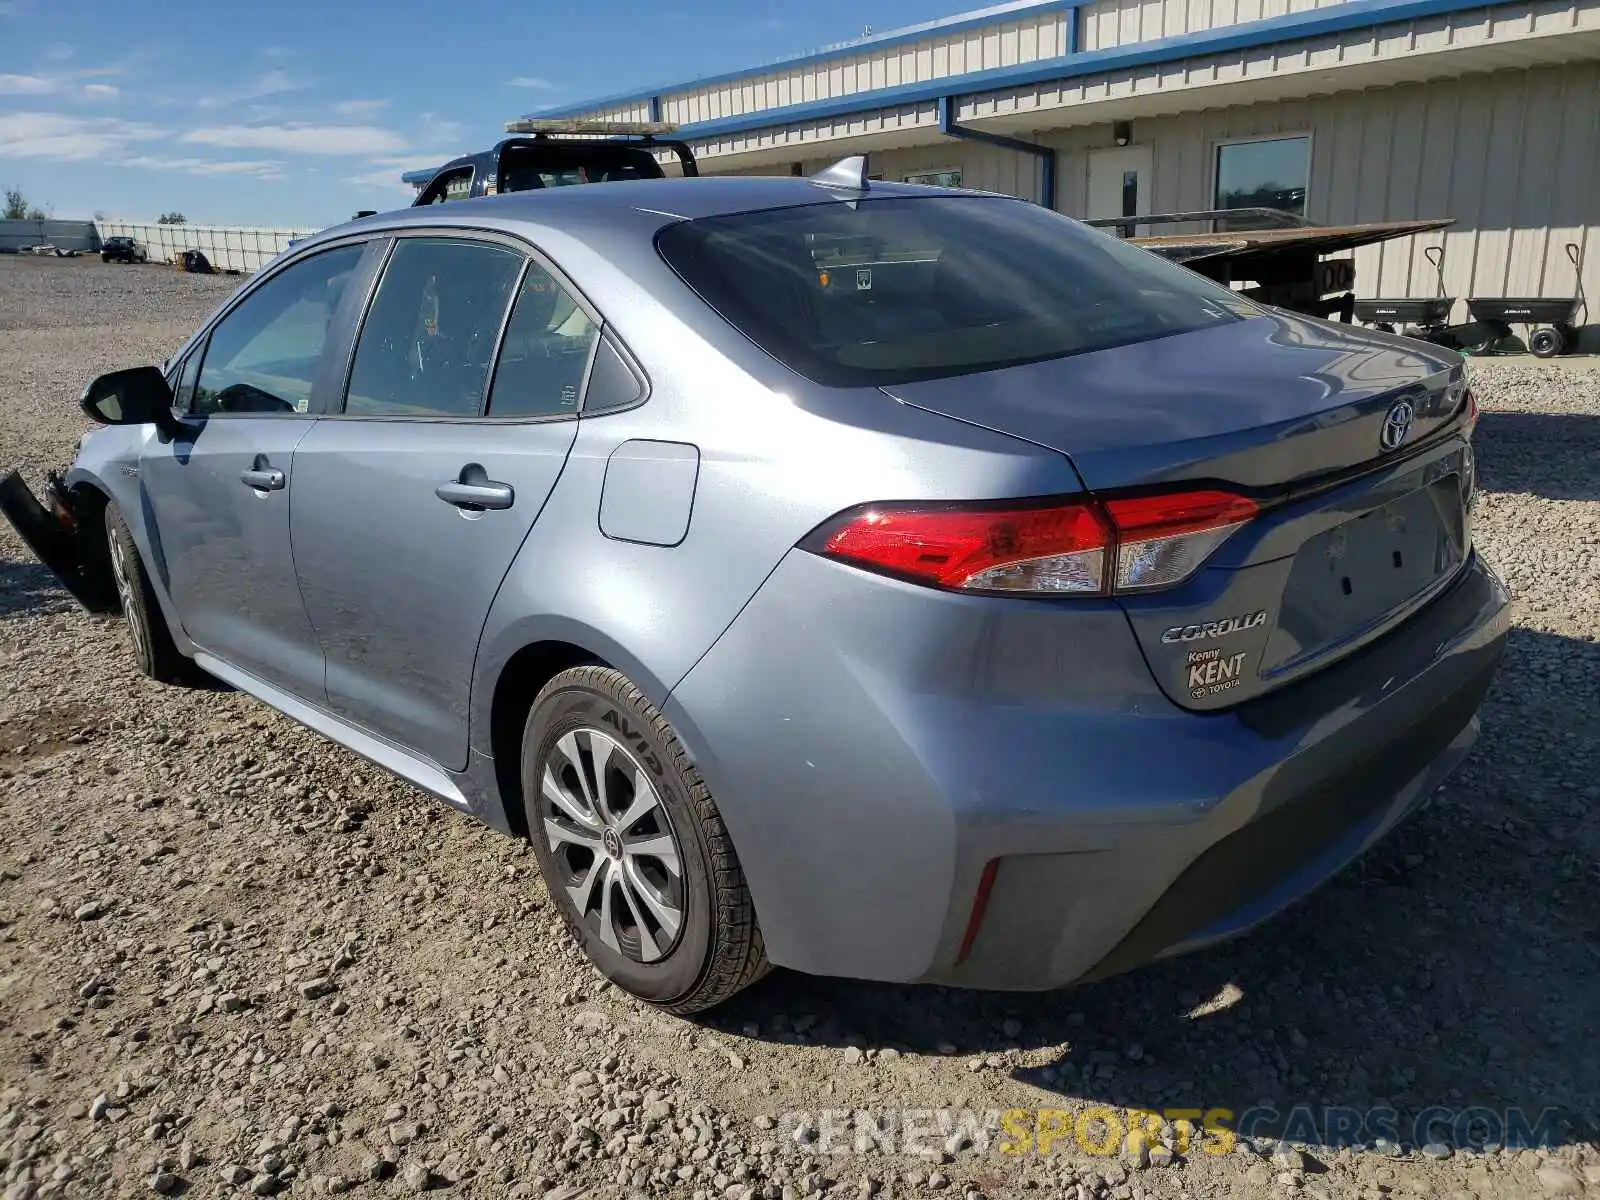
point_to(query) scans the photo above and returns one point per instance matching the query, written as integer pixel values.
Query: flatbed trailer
(1284, 260)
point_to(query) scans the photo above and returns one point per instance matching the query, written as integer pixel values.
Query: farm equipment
(1427, 318)
(195, 262)
(1551, 326)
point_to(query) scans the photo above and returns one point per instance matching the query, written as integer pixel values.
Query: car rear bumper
(874, 747)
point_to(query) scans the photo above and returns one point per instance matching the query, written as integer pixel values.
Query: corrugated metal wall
(1514, 156)
(1109, 23)
(1025, 38)
(68, 235)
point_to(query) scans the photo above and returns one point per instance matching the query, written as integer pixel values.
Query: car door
(412, 502)
(220, 492)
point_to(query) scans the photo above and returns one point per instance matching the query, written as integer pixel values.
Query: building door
(1119, 185)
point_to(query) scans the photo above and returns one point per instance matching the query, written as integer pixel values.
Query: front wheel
(632, 847)
(153, 648)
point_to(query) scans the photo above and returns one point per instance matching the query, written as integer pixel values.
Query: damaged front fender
(56, 533)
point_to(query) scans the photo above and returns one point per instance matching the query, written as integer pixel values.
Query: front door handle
(474, 491)
(263, 478)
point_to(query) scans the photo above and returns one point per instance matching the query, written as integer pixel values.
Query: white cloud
(300, 139)
(531, 81)
(26, 85)
(360, 108)
(437, 129)
(385, 172)
(66, 138)
(268, 83)
(259, 169)
(57, 85)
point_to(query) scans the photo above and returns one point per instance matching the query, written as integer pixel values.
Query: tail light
(1081, 547)
(1162, 540)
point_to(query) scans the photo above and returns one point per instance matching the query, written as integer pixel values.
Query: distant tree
(38, 214)
(16, 208)
(172, 218)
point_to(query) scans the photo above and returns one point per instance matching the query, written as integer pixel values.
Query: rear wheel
(632, 847)
(153, 648)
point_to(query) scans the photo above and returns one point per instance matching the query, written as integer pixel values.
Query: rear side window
(545, 353)
(895, 290)
(429, 338)
(262, 356)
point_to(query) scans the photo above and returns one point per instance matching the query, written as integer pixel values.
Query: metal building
(1352, 111)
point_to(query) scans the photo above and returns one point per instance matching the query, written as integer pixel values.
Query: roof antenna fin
(848, 174)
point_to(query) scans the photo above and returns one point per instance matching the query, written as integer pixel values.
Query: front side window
(457, 185)
(183, 392)
(430, 335)
(1272, 173)
(545, 352)
(262, 356)
(895, 290)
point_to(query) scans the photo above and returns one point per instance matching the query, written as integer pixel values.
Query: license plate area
(1366, 570)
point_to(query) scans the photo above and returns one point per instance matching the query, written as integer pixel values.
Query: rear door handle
(264, 479)
(474, 491)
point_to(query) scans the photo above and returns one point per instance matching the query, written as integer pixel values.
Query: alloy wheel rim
(119, 572)
(615, 850)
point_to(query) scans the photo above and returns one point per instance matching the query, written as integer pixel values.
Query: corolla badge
(1214, 629)
(1396, 424)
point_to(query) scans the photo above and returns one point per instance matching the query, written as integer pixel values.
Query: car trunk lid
(1344, 437)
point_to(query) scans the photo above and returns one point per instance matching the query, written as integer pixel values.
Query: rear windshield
(559, 164)
(895, 290)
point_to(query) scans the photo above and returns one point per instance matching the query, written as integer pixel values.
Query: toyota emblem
(1396, 424)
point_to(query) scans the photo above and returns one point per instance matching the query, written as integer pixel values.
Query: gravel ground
(235, 959)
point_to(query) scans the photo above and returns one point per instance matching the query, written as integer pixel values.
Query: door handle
(474, 491)
(264, 479)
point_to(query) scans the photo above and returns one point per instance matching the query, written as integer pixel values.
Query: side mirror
(136, 396)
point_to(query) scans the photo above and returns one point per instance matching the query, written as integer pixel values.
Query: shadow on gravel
(1554, 455)
(1455, 967)
(29, 587)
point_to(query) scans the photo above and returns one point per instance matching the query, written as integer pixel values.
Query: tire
(683, 944)
(1546, 342)
(153, 647)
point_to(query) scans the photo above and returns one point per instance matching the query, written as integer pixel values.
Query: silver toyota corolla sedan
(874, 580)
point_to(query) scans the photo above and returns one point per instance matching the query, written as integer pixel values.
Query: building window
(936, 178)
(1270, 173)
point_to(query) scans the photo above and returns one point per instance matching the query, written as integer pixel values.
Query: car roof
(623, 201)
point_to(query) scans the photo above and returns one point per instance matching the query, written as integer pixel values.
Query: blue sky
(293, 113)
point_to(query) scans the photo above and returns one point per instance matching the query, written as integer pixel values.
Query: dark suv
(123, 249)
(554, 153)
